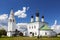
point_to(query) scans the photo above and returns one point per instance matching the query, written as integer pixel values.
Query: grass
(29, 38)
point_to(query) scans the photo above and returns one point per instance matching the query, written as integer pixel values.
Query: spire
(11, 12)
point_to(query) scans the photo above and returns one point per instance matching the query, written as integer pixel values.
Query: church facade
(34, 28)
(39, 28)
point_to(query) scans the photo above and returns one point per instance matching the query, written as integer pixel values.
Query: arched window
(45, 33)
(30, 32)
(10, 20)
(13, 20)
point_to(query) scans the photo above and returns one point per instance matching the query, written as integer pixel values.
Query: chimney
(32, 19)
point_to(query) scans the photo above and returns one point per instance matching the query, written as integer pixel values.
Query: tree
(3, 32)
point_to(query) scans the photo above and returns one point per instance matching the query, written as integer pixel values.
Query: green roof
(45, 27)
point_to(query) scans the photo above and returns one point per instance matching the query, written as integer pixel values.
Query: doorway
(32, 33)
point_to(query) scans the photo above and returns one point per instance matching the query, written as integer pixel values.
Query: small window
(32, 27)
(10, 20)
(35, 33)
(30, 32)
(45, 33)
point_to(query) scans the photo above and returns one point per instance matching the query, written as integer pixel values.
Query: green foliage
(2, 32)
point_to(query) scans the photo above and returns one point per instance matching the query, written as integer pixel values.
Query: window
(10, 20)
(45, 33)
(13, 20)
(35, 33)
(30, 32)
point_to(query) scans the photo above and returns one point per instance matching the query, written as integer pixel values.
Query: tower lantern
(42, 20)
(37, 16)
(32, 19)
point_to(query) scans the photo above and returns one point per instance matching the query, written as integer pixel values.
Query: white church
(11, 24)
(33, 28)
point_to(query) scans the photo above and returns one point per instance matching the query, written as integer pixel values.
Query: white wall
(47, 33)
(33, 27)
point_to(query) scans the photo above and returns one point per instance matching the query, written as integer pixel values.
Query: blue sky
(49, 8)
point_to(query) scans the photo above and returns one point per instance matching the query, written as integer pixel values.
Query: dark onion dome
(42, 16)
(37, 14)
(31, 16)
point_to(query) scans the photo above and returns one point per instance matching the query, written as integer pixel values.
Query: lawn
(29, 38)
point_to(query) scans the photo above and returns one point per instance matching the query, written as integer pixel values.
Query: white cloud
(21, 13)
(3, 20)
(3, 16)
(3, 27)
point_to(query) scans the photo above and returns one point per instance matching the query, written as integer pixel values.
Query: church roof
(45, 27)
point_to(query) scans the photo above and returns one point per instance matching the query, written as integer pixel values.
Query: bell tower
(11, 24)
